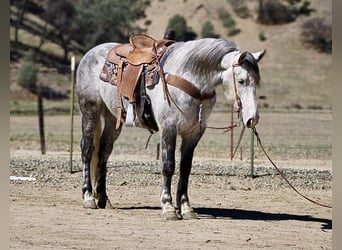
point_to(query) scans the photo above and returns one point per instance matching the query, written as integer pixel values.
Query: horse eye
(241, 81)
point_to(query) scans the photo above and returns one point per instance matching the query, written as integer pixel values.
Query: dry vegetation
(293, 75)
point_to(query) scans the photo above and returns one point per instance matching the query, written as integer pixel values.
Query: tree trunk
(41, 120)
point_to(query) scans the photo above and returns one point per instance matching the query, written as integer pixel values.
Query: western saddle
(132, 67)
(135, 66)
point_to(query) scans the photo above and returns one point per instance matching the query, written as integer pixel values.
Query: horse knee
(168, 168)
(87, 147)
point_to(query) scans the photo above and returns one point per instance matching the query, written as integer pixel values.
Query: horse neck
(208, 83)
(205, 82)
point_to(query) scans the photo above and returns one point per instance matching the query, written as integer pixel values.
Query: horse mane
(201, 56)
(204, 56)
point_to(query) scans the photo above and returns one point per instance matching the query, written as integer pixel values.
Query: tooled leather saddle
(133, 67)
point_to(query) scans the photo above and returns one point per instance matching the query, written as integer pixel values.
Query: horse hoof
(170, 215)
(109, 205)
(90, 203)
(105, 204)
(187, 212)
(101, 203)
(189, 216)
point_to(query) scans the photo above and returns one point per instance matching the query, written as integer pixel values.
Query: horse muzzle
(250, 119)
(252, 122)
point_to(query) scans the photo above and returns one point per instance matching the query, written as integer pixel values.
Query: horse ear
(259, 55)
(242, 57)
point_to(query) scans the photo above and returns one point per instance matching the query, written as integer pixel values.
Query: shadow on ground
(241, 214)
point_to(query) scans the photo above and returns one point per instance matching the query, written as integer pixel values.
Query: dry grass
(286, 136)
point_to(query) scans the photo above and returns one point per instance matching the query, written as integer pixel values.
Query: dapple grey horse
(205, 63)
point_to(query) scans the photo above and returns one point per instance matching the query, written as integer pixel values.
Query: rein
(270, 160)
(228, 128)
(239, 103)
(282, 174)
(191, 90)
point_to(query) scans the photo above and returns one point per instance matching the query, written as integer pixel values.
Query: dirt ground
(235, 211)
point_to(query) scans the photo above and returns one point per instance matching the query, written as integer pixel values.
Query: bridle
(239, 106)
(237, 97)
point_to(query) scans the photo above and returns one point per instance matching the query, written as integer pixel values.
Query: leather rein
(239, 107)
(238, 100)
(194, 92)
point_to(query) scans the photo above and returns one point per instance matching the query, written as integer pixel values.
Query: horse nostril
(250, 123)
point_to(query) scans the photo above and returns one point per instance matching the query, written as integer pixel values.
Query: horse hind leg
(89, 128)
(105, 147)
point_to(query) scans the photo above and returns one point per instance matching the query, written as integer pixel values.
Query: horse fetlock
(104, 203)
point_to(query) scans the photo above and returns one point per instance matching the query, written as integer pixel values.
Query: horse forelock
(251, 65)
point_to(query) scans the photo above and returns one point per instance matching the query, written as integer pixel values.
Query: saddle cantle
(131, 65)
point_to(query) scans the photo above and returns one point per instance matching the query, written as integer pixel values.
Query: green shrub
(228, 22)
(27, 73)
(240, 8)
(182, 31)
(208, 30)
(303, 7)
(262, 36)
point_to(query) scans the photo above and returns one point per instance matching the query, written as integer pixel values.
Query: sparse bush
(208, 30)
(240, 8)
(315, 107)
(227, 19)
(148, 22)
(275, 12)
(281, 11)
(262, 36)
(296, 106)
(317, 33)
(228, 22)
(27, 74)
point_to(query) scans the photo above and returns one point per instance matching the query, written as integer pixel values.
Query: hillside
(293, 76)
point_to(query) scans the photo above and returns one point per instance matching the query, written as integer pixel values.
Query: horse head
(240, 79)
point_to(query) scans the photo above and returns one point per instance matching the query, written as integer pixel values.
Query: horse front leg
(187, 152)
(168, 142)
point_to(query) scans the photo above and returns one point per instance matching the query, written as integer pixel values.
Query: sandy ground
(235, 211)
